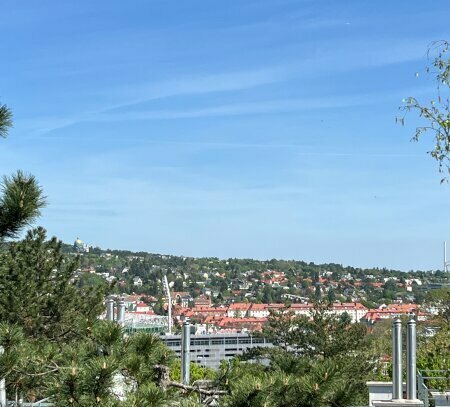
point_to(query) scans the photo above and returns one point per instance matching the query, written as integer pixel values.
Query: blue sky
(233, 129)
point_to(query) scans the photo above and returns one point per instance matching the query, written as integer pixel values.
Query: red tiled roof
(242, 321)
(258, 307)
(238, 306)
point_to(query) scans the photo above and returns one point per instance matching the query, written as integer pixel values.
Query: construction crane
(169, 301)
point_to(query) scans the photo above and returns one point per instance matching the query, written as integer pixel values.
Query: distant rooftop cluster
(248, 317)
(237, 295)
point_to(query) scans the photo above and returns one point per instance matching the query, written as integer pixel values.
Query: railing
(430, 382)
(41, 403)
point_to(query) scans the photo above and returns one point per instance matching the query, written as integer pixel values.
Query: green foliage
(317, 363)
(5, 120)
(22, 197)
(85, 280)
(39, 291)
(440, 298)
(102, 369)
(20, 203)
(434, 354)
(143, 353)
(54, 344)
(150, 395)
(321, 335)
(226, 276)
(99, 372)
(197, 372)
(437, 112)
(312, 385)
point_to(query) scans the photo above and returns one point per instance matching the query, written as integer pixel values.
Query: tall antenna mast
(169, 300)
(446, 263)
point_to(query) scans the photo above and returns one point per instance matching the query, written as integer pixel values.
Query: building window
(200, 342)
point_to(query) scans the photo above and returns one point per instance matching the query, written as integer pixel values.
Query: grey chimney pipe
(397, 380)
(185, 352)
(411, 345)
(121, 313)
(110, 309)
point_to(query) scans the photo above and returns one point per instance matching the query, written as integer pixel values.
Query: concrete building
(210, 349)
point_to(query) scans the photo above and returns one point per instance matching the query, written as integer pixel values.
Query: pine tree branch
(5, 120)
(20, 203)
(35, 374)
(196, 389)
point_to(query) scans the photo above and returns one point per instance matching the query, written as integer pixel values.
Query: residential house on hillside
(238, 310)
(251, 324)
(181, 298)
(142, 307)
(202, 301)
(392, 311)
(258, 311)
(131, 301)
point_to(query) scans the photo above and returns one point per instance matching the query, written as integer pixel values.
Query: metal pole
(110, 309)
(445, 256)
(411, 345)
(121, 313)
(397, 380)
(2, 385)
(185, 352)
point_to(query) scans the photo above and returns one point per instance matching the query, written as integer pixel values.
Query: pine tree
(55, 346)
(5, 120)
(310, 384)
(318, 362)
(40, 293)
(22, 197)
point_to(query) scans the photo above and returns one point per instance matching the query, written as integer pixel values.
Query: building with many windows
(210, 349)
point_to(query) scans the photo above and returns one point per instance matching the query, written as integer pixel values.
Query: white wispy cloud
(336, 55)
(235, 109)
(255, 108)
(134, 94)
(199, 84)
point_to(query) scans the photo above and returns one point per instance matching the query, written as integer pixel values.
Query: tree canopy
(6, 121)
(56, 346)
(317, 363)
(40, 291)
(436, 113)
(21, 196)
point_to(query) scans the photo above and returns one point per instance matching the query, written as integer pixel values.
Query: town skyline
(262, 130)
(87, 246)
(230, 204)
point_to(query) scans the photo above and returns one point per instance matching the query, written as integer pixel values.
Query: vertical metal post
(185, 352)
(445, 256)
(411, 345)
(121, 313)
(397, 380)
(110, 309)
(2, 385)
